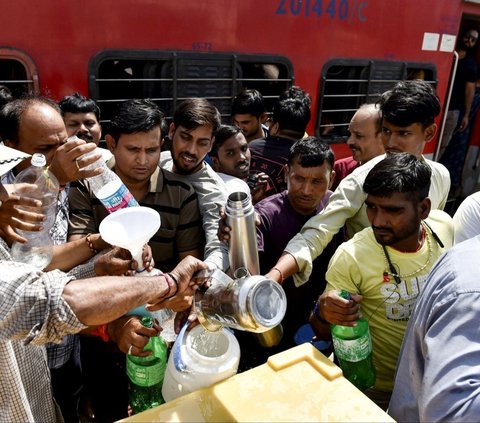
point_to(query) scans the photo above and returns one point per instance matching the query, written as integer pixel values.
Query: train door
(470, 179)
(462, 155)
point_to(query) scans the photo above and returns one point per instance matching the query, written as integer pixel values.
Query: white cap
(9, 158)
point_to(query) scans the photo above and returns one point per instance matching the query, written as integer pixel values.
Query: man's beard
(180, 170)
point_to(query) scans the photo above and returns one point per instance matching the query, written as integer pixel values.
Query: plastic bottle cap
(38, 160)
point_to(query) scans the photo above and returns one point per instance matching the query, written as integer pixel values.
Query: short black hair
(137, 115)
(77, 103)
(223, 134)
(291, 114)
(410, 102)
(296, 92)
(11, 114)
(248, 101)
(195, 112)
(399, 172)
(311, 152)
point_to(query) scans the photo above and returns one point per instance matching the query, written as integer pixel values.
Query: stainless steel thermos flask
(243, 250)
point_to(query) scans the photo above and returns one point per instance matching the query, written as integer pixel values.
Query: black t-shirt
(466, 72)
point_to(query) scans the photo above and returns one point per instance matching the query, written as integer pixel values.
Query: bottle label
(145, 375)
(353, 350)
(120, 199)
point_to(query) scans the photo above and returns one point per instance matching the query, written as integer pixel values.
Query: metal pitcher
(251, 303)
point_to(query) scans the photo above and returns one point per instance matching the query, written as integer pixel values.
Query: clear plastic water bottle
(146, 373)
(37, 182)
(108, 187)
(353, 348)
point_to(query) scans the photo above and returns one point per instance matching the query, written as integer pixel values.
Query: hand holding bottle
(339, 311)
(353, 347)
(13, 215)
(131, 336)
(146, 373)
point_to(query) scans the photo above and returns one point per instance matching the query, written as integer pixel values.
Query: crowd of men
(371, 224)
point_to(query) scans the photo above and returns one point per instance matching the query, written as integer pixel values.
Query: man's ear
(425, 206)
(286, 171)
(215, 164)
(273, 130)
(263, 117)
(171, 130)
(430, 132)
(111, 144)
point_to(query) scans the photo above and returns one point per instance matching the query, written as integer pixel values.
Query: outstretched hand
(183, 277)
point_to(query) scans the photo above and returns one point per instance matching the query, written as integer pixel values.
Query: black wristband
(174, 279)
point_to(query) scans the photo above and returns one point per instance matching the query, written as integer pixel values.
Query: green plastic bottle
(146, 373)
(353, 348)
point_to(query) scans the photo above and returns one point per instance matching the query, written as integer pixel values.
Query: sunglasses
(470, 37)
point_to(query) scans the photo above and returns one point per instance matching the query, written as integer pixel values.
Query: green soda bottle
(353, 348)
(146, 373)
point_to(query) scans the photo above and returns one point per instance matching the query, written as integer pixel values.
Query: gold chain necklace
(391, 271)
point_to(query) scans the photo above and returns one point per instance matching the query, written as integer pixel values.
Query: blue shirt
(438, 373)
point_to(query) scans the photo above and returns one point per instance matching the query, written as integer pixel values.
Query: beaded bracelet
(90, 244)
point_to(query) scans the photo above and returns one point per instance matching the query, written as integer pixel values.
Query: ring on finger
(130, 350)
(78, 167)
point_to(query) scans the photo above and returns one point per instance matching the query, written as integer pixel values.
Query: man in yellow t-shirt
(385, 266)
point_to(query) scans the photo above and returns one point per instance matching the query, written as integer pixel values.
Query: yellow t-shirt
(358, 266)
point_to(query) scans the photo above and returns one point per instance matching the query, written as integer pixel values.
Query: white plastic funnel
(130, 228)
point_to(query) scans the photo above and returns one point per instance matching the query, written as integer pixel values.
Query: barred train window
(346, 84)
(18, 72)
(170, 77)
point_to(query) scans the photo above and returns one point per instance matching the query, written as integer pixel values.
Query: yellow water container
(298, 385)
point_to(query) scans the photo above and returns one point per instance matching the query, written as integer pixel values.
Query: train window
(18, 72)
(346, 84)
(170, 77)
